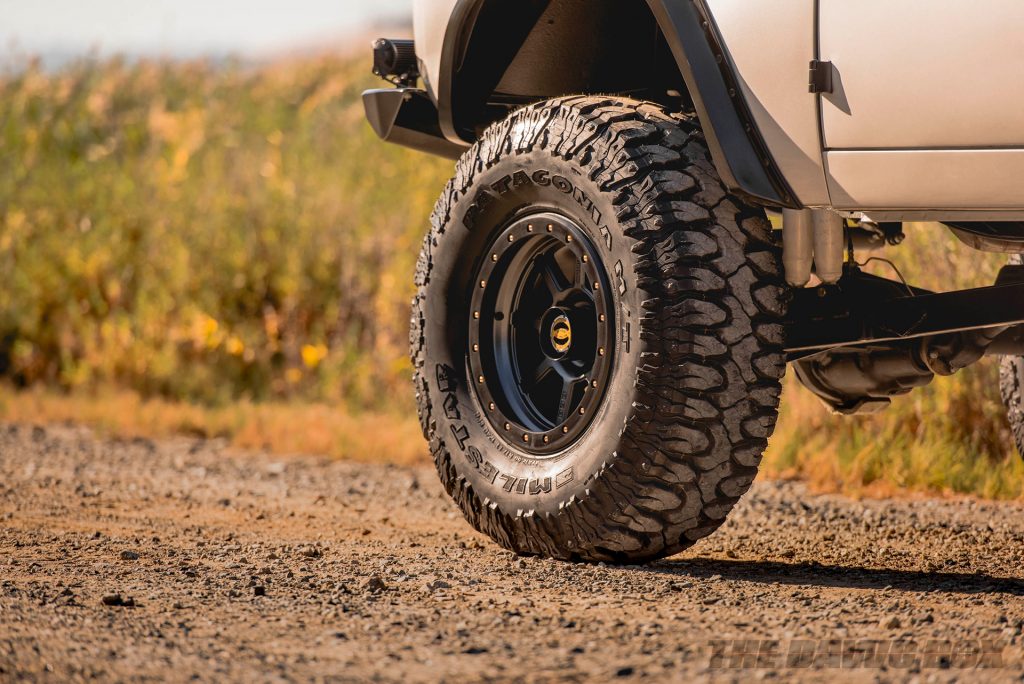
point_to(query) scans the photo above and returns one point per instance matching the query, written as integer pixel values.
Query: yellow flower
(313, 355)
(234, 346)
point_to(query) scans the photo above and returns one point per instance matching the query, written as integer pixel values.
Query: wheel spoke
(579, 276)
(565, 399)
(544, 370)
(554, 277)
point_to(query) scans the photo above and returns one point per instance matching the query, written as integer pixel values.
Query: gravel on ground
(182, 560)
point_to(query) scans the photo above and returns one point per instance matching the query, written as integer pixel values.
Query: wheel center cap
(561, 334)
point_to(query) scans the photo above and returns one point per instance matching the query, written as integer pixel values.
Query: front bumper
(408, 117)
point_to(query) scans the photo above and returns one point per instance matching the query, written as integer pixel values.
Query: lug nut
(476, 347)
(491, 406)
(594, 384)
(601, 318)
(585, 258)
(494, 257)
(480, 379)
(507, 426)
(565, 429)
(546, 439)
(568, 238)
(597, 285)
(600, 351)
(483, 283)
(550, 227)
(511, 238)
(526, 438)
(582, 410)
(529, 228)
(476, 314)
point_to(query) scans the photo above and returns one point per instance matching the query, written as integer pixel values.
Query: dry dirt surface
(181, 560)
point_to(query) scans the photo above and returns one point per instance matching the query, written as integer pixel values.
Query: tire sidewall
(500, 473)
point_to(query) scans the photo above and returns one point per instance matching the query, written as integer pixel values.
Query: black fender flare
(739, 152)
(737, 148)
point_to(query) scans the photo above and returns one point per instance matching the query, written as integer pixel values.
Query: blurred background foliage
(207, 232)
(235, 235)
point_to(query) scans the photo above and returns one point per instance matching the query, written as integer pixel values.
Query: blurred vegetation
(207, 232)
(236, 237)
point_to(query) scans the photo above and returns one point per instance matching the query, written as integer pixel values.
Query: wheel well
(527, 51)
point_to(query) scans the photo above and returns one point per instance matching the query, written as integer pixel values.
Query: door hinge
(820, 80)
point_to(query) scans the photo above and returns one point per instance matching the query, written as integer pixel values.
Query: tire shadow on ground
(838, 576)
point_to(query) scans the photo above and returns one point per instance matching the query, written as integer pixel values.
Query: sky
(61, 29)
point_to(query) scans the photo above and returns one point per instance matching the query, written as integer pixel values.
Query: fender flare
(737, 148)
(739, 152)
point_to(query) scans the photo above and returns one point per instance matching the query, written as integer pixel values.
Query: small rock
(118, 600)
(892, 622)
(438, 585)
(375, 584)
(129, 555)
(624, 671)
(259, 590)
(311, 552)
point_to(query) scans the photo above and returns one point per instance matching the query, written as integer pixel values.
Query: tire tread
(708, 388)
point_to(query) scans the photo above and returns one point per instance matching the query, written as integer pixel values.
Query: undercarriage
(856, 339)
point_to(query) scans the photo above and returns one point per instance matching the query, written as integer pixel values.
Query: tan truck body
(925, 120)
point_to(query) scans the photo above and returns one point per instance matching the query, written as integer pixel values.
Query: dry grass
(923, 444)
(284, 428)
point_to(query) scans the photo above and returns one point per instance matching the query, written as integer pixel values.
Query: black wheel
(542, 332)
(1011, 385)
(597, 334)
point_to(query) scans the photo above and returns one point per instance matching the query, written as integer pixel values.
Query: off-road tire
(1011, 387)
(700, 297)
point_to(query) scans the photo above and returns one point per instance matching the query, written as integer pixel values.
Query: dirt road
(180, 560)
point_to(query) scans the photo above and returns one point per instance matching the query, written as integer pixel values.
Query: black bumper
(408, 117)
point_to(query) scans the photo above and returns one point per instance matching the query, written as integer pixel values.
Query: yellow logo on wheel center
(561, 334)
